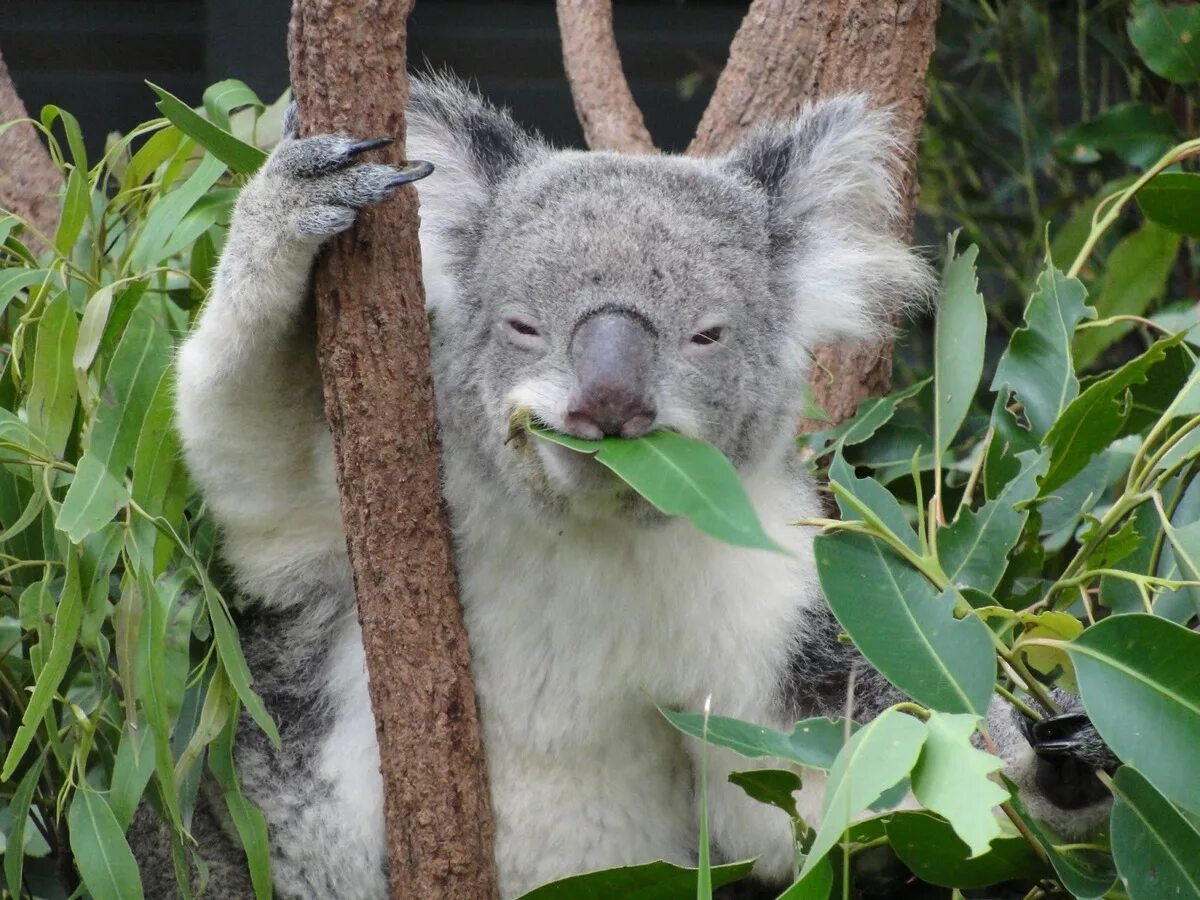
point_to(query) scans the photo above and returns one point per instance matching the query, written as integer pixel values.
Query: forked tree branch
(348, 72)
(610, 117)
(29, 181)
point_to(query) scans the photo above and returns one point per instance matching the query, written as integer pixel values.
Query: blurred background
(1037, 108)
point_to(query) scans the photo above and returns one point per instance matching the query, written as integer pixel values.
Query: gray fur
(582, 603)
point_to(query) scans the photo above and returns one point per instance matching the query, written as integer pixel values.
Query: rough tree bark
(789, 51)
(29, 182)
(348, 73)
(610, 117)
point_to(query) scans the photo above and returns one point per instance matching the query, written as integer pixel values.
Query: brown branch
(29, 181)
(790, 51)
(610, 117)
(348, 72)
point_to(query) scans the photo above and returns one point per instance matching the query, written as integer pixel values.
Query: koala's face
(616, 295)
(610, 295)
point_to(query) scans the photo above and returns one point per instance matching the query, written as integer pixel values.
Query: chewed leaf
(679, 476)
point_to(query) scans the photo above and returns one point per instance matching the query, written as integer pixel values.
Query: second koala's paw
(318, 184)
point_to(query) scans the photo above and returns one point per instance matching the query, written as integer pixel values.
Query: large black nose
(613, 355)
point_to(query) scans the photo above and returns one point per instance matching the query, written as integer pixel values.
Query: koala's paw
(317, 185)
(1069, 752)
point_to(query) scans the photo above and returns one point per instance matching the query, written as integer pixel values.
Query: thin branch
(610, 117)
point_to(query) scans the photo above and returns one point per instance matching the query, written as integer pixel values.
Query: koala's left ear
(830, 177)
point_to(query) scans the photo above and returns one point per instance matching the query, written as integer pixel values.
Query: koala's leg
(249, 396)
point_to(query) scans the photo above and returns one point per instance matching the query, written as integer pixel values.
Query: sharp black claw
(363, 146)
(414, 171)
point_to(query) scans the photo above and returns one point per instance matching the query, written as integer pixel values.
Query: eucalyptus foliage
(1025, 519)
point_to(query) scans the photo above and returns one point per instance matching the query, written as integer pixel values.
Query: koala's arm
(249, 402)
(829, 677)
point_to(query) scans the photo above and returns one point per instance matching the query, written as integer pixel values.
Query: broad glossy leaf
(1156, 848)
(1037, 365)
(1097, 416)
(814, 743)
(1135, 275)
(1136, 132)
(929, 846)
(904, 627)
(958, 343)
(1172, 200)
(1185, 542)
(1168, 38)
(951, 779)
(101, 853)
(141, 357)
(879, 755)
(774, 787)
(51, 403)
(679, 476)
(974, 548)
(866, 498)
(94, 497)
(1088, 876)
(650, 881)
(1137, 677)
(238, 155)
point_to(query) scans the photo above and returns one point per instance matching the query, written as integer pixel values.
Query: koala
(606, 294)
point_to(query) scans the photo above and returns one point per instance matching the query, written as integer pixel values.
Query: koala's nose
(613, 354)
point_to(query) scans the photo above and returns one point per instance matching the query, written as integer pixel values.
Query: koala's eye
(708, 336)
(522, 332)
(522, 328)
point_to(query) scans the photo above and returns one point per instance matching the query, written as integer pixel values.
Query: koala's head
(612, 294)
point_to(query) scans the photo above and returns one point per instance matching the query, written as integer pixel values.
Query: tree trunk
(29, 182)
(348, 73)
(790, 51)
(607, 111)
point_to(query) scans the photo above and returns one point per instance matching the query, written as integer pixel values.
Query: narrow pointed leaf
(680, 476)
(866, 498)
(51, 402)
(241, 157)
(958, 343)
(974, 548)
(814, 743)
(651, 881)
(101, 853)
(93, 499)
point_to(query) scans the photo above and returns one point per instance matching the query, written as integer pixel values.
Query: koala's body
(607, 294)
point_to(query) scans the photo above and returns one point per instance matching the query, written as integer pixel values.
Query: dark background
(92, 57)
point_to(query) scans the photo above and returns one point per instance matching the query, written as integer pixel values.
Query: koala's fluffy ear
(831, 180)
(473, 146)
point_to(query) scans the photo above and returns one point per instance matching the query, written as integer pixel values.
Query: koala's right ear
(474, 147)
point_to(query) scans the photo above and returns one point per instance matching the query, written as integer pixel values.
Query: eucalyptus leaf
(101, 853)
(1137, 677)
(1037, 366)
(878, 756)
(679, 476)
(95, 496)
(238, 155)
(813, 743)
(929, 846)
(650, 881)
(958, 343)
(1172, 201)
(1167, 37)
(1156, 848)
(904, 626)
